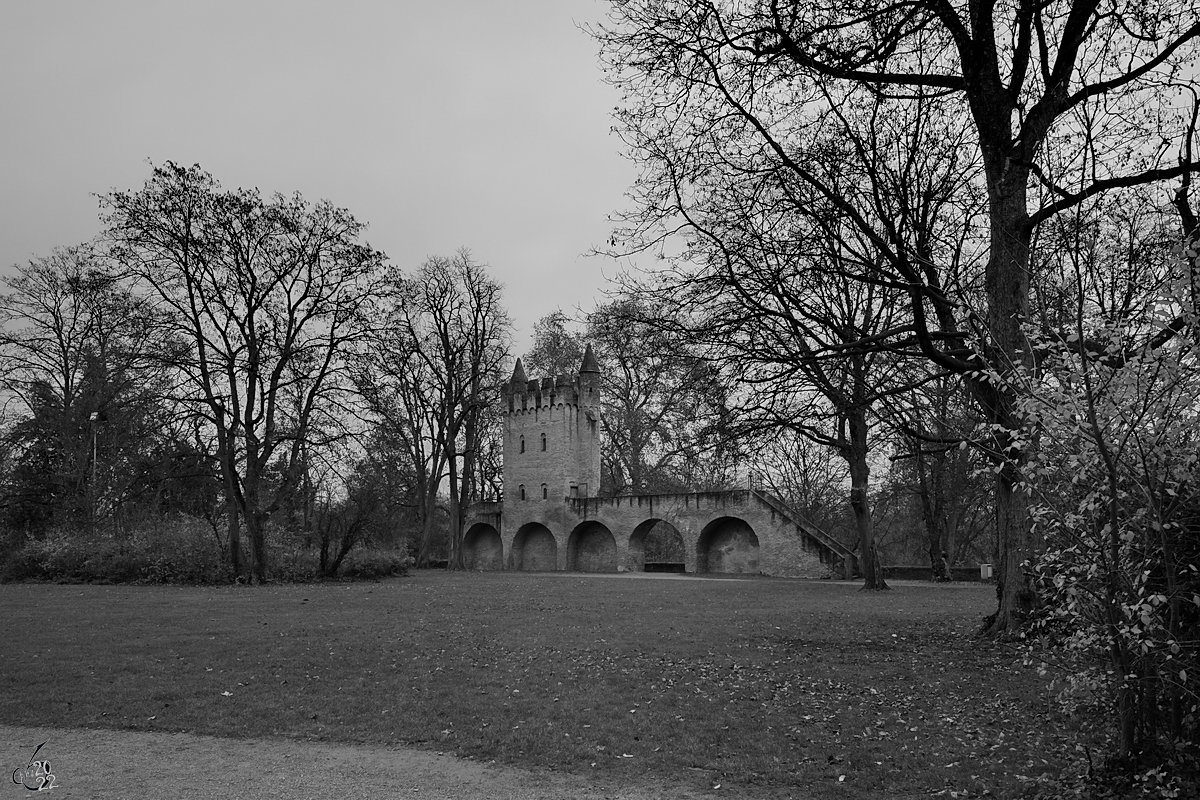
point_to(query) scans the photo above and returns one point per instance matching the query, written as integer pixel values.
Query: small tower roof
(518, 376)
(590, 364)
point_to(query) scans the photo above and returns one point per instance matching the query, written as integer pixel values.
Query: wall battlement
(547, 392)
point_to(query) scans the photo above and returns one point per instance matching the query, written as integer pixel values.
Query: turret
(590, 364)
(518, 376)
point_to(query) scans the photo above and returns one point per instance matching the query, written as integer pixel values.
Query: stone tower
(552, 435)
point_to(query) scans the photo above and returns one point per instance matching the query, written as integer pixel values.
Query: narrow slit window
(522, 444)
(522, 490)
(545, 492)
(543, 442)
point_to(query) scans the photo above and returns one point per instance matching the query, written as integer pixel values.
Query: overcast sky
(440, 123)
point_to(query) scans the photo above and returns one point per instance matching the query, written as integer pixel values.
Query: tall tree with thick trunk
(720, 90)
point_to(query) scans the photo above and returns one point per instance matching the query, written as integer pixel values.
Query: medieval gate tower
(552, 435)
(552, 516)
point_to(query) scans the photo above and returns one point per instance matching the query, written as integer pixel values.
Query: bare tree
(809, 477)
(269, 296)
(797, 91)
(933, 466)
(430, 375)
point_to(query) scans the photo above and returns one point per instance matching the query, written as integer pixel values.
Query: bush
(1116, 500)
(372, 564)
(182, 549)
(177, 549)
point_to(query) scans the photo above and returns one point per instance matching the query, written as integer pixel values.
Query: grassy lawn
(770, 688)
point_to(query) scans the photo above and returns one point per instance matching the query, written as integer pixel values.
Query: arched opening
(545, 492)
(657, 546)
(522, 444)
(543, 442)
(482, 548)
(521, 490)
(727, 545)
(534, 549)
(592, 548)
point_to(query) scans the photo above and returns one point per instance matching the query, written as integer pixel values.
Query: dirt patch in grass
(764, 687)
(96, 764)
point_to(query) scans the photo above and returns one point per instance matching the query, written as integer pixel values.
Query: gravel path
(124, 764)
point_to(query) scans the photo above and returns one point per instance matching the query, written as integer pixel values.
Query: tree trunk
(255, 518)
(1014, 539)
(258, 546)
(428, 509)
(860, 473)
(459, 508)
(1007, 285)
(454, 558)
(234, 514)
(937, 558)
(235, 538)
(931, 479)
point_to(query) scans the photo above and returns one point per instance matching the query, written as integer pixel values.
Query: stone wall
(730, 532)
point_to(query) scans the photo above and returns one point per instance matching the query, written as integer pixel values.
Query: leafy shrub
(373, 563)
(1116, 499)
(175, 549)
(181, 549)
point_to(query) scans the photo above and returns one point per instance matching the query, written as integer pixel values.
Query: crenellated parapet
(547, 392)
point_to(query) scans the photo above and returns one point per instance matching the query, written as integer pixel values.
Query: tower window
(543, 442)
(545, 492)
(521, 488)
(522, 444)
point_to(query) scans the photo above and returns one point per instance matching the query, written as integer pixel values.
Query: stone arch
(534, 548)
(727, 544)
(656, 546)
(591, 548)
(482, 548)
